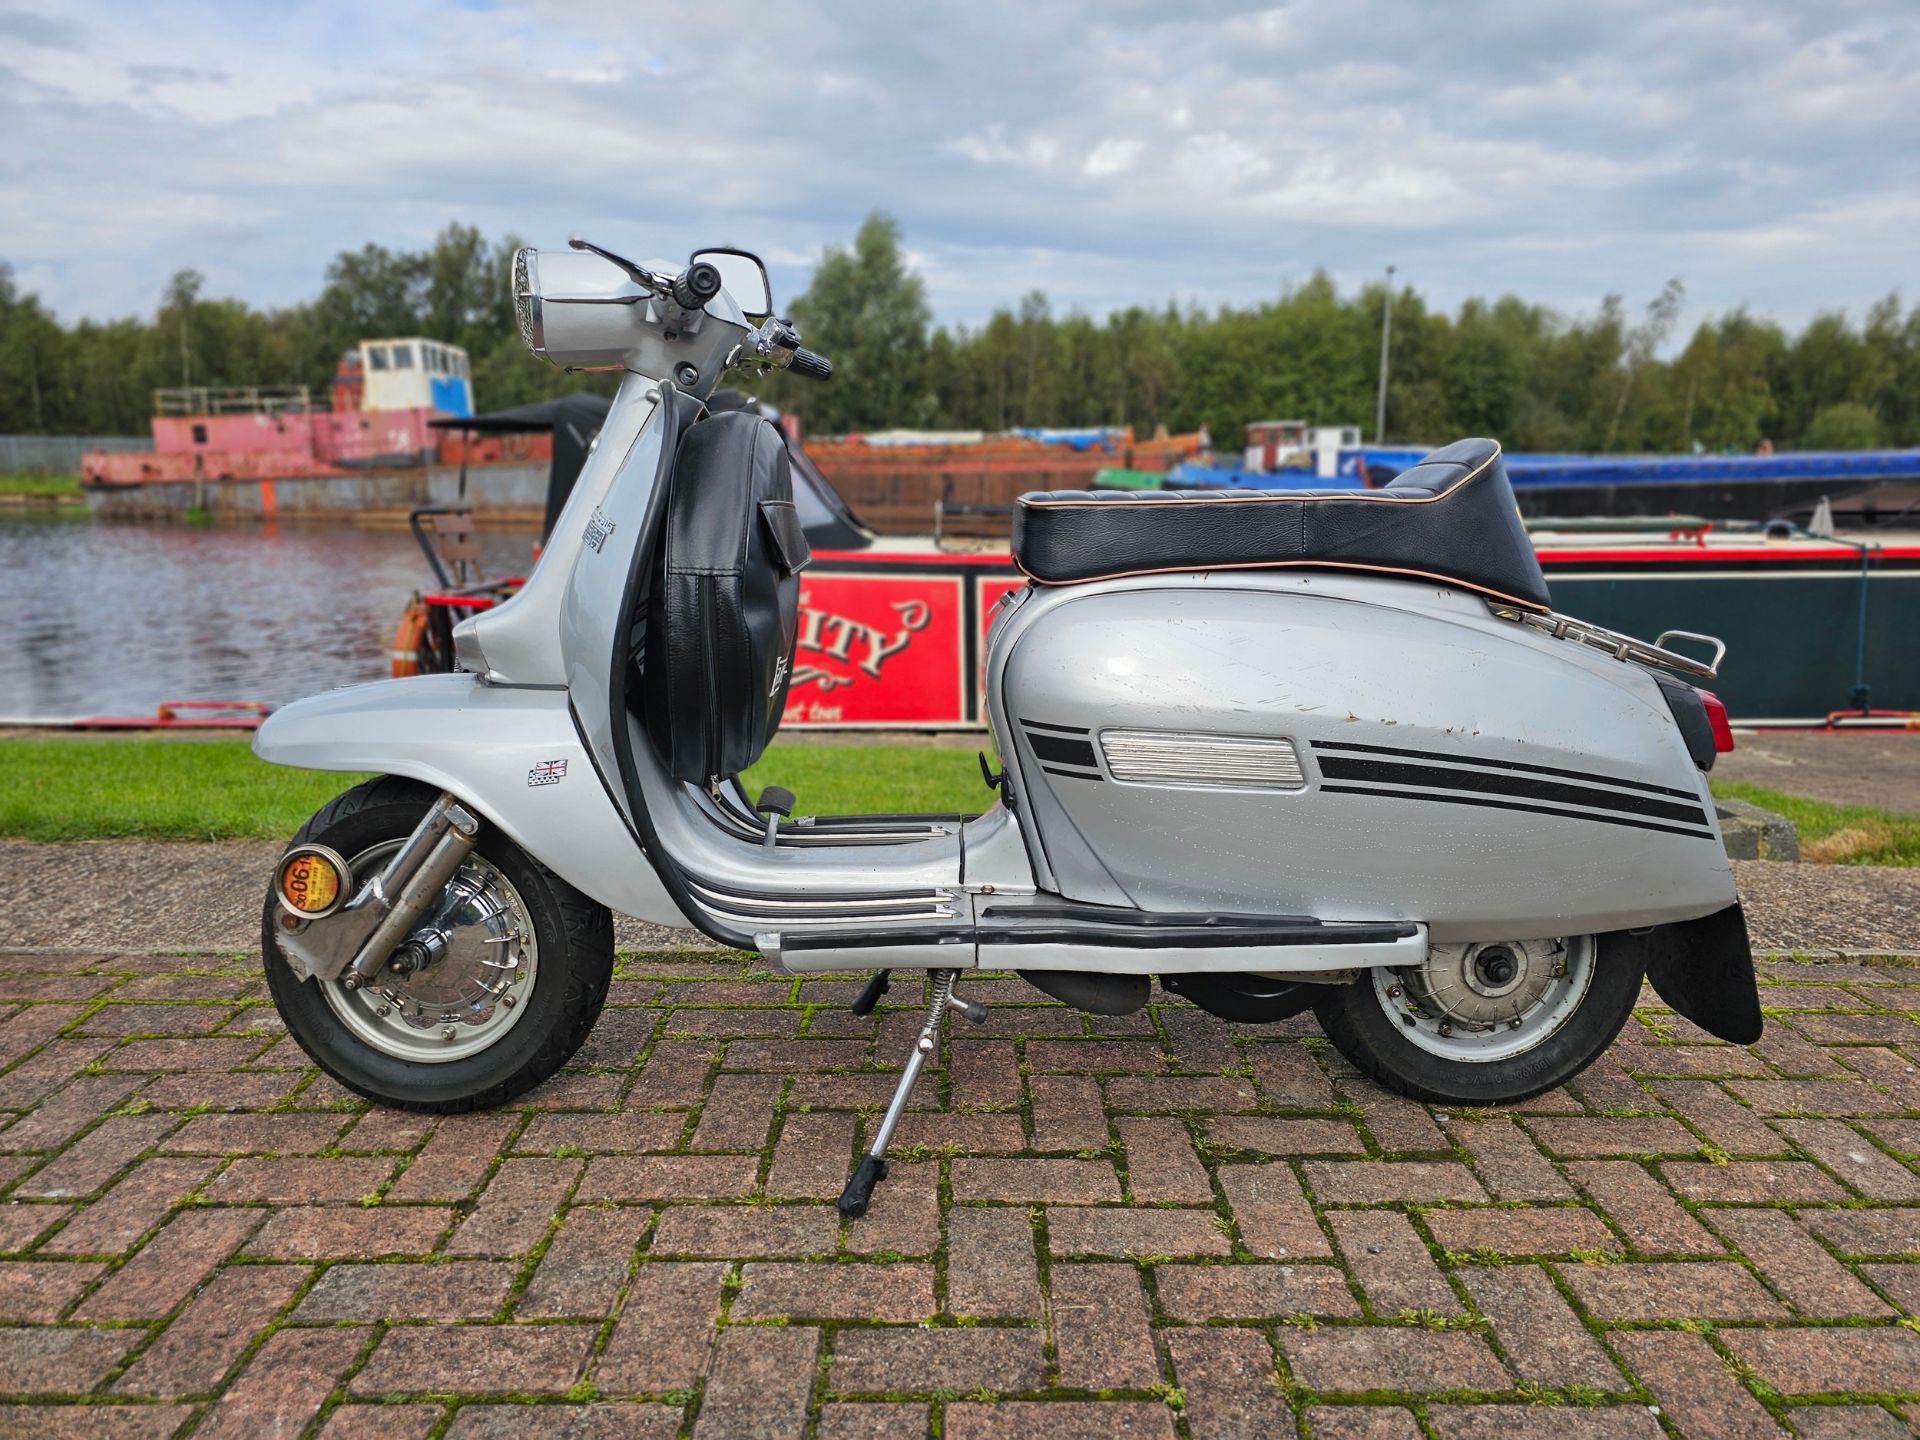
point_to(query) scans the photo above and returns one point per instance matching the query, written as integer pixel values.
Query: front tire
(1486, 1024)
(560, 943)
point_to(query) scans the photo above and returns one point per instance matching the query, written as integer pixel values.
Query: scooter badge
(599, 527)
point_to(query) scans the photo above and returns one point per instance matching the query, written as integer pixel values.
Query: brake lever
(639, 274)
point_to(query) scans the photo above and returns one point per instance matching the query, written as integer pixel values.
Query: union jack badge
(547, 772)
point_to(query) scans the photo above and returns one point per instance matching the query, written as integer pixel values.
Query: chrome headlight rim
(526, 302)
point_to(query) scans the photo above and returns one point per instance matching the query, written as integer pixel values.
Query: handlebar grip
(696, 286)
(811, 365)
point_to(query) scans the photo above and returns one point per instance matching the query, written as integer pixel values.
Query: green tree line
(1618, 379)
(98, 377)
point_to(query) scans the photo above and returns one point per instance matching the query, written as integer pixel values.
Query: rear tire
(572, 937)
(1369, 1024)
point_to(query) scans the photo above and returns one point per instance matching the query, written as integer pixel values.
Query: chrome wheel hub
(456, 984)
(1488, 1000)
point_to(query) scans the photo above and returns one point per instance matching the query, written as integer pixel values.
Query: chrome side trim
(753, 911)
(746, 920)
(1169, 757)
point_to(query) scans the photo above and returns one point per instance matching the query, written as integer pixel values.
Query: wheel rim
(486, 961)
(1490, 1000)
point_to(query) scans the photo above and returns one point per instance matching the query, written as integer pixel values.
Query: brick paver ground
(1154, 1226)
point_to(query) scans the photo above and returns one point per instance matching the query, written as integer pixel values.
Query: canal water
(106, 618)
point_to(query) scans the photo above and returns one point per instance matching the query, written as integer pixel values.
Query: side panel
(513, 755)
(1452, 769)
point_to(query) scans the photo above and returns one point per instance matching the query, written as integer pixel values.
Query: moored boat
(893, 627)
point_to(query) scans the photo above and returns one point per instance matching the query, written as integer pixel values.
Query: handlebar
(812, 365)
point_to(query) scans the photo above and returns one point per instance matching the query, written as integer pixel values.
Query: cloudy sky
(1107, 153)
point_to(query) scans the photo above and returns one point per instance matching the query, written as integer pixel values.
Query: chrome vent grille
(1233, 762)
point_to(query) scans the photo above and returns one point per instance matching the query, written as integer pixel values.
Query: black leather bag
(726, 600)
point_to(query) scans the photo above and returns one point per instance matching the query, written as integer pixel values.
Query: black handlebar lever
(813, 366)
(639, 274)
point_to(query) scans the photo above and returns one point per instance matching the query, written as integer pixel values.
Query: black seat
(1450, 518)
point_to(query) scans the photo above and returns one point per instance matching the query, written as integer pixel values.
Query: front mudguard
(1704, 969)
(512, 755)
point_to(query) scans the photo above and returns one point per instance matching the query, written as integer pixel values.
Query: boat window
(377, 357)
(403, 357)
(436, 359)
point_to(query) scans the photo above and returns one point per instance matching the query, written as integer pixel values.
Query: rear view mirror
(744, 277)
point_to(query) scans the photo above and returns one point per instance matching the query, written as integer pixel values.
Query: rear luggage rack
(1621, 647)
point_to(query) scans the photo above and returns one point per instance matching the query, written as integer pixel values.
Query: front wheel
(520, 966)
(1484, 1024)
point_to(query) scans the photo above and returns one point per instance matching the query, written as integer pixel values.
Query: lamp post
(1386, 339)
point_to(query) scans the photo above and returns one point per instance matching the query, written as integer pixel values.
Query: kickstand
(872, 1168)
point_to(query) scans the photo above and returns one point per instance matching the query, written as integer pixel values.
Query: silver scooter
(1281, 751)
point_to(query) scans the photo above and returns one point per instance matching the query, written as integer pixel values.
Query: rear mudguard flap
(512, 755)
(1704, 969)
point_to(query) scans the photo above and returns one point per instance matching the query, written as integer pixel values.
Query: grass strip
(126, 787)
(1836, 834)
(36, 483)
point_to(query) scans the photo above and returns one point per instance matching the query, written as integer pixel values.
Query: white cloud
(1761, 151)
(993, 146)
(1112, 157)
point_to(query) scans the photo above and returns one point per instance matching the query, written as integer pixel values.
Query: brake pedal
(776, 803)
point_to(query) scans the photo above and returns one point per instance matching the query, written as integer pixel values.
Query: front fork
(350, 942)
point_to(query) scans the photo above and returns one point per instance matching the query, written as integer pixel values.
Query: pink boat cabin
(384, 395)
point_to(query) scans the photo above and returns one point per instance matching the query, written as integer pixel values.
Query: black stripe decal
(1063, 729)
(1511, 805)
(1586, 775)
(1062, 751)
(1094, 775)
(1527, 787)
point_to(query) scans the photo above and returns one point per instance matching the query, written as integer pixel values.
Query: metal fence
(60, 454)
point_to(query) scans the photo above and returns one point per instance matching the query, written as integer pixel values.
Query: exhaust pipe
(352, 943)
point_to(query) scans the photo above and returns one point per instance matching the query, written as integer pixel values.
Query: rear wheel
(1480, 1024)
(518, 968)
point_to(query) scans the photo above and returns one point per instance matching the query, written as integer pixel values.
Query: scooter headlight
(580, 311)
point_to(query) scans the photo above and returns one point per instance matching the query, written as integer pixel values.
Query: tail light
(1701, 717)
(1716, 720)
